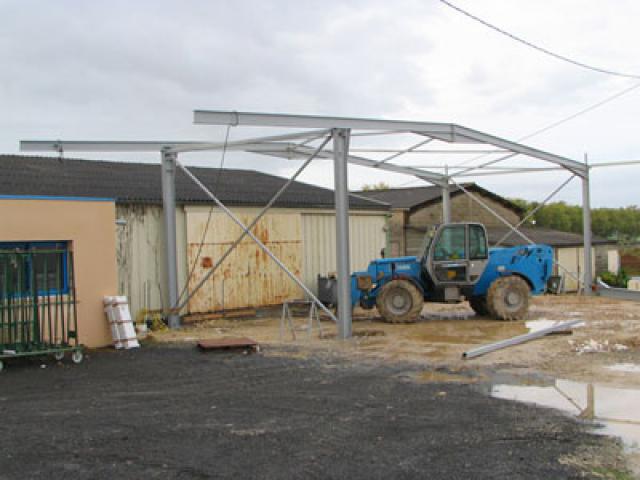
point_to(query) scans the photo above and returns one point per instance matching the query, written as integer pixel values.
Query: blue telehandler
(456, 265)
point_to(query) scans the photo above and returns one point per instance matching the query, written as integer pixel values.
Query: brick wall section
(397, 244)
(602, 258)
(463, 209)
(630, 263)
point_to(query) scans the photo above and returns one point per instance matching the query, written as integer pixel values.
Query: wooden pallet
(229, 343)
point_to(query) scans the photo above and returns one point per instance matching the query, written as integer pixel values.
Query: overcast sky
(136, 70)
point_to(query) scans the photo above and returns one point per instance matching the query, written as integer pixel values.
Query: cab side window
(451, 244)
(477, 243)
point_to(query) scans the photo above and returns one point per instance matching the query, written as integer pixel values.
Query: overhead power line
(557, 123)
(581, 112)
(537, 47)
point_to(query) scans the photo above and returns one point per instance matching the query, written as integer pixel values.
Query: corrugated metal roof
(416, 197)
(141, 183)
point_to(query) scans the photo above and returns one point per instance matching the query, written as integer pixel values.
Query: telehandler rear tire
(399, 301)
(508, 298)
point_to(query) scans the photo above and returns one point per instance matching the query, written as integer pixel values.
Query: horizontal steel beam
(511, 172)
(241, 144)
(219, 117)
(157, 146)
(98, 146)
(614, 164)
(432, 151)
(448, 132)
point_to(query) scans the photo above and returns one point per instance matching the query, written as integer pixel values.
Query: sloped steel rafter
(447, 132)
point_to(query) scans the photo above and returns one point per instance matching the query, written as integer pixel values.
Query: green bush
(620, 280)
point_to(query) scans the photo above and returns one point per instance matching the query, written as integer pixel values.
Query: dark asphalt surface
(173, 412)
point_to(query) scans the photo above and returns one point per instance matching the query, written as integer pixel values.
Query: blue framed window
(29, 266)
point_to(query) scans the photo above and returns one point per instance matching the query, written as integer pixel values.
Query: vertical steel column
(446, 199)
(169, 208)
(586, 229)
(343, 266)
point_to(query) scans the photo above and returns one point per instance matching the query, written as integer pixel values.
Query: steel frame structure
(342, 132)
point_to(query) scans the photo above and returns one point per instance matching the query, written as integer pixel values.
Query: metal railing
(38, 308)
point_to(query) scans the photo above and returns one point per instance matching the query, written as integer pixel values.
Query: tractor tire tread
(416, 297)
(496, 295)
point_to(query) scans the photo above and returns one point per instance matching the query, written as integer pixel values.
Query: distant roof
(416, 197)
(547, 236)
(553, 238)
(141, 183)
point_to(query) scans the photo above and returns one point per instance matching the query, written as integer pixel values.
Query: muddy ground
(610, 336)
(612, 327)
(170, 411)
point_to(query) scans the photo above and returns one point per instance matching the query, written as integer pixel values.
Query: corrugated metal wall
(572, 258)
(140, 255)
(248, 277)
(367, 237)
(303, 240)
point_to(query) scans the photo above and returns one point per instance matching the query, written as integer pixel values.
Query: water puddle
(536, 325)
(434, 376)
(616, 409)
(624, 368)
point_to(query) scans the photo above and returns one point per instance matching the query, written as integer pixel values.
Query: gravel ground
(169, 411)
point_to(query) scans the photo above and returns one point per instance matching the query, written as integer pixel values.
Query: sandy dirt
(612, 327)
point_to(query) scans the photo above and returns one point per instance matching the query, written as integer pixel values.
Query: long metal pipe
(168, 168)
(343, 265)
(492, 347)
(251, 225)
(586, 230)
(262, 246)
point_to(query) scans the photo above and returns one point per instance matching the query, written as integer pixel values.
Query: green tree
(376, 186)
(622, 224)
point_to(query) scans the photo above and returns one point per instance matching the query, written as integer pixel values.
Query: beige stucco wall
(89, 226)
(572, 260)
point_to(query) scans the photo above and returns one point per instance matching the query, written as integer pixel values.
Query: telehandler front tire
(399, 301)
(479, 305)
(508, 298)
